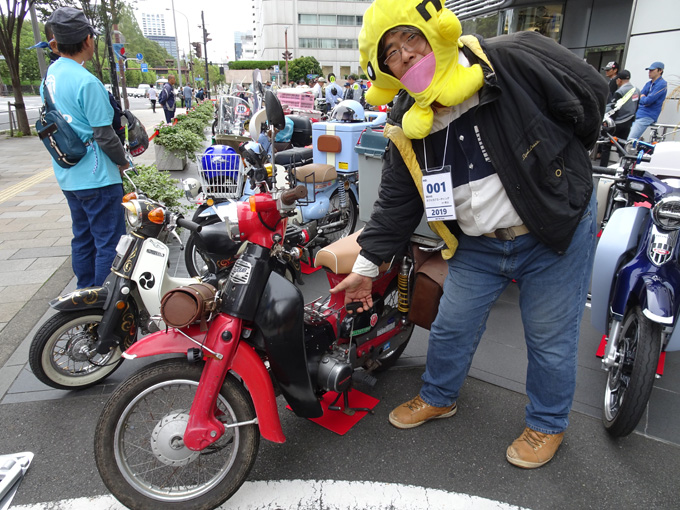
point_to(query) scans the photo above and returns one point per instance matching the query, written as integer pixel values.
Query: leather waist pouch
(185, 305)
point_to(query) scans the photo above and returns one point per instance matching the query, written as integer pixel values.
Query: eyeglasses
(414, 43)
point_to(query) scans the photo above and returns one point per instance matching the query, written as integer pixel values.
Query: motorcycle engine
(335, 371)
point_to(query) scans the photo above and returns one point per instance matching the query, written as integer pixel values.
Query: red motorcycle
(184, 432)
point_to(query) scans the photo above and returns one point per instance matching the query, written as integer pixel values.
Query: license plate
(123, 244)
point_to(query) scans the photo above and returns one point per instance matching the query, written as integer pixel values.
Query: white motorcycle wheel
(61, 353)
(139, 447)
(630, 383)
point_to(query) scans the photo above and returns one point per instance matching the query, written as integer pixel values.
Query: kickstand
(349, 411)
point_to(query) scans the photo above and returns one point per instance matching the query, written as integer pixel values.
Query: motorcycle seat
(339, 257)
(321, 172)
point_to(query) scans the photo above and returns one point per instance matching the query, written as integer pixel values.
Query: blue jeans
(553, 290)
(639, 127)
(98, 221)
(187, 102)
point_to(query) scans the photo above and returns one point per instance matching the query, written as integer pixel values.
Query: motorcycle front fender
(81, 299)
(246, 364)
(619, 236)
(656, 300)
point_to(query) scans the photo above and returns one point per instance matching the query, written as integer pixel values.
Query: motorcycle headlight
(666, 213)
(133, 213)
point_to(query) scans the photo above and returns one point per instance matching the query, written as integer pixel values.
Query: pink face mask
(419, 77)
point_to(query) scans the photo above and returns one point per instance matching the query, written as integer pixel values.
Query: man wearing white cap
(652, 97)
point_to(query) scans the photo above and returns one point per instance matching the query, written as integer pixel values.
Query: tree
(11, 21)
(299, 68)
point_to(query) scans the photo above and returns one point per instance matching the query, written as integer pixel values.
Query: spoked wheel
(139, 445)
(335, 214)
(630, 383)
(391, 302)
(62, 353)
(197, 262)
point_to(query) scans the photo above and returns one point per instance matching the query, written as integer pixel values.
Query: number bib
(438, 194)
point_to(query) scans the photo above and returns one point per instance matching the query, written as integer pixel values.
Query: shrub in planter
(158, 186)
(183, 142)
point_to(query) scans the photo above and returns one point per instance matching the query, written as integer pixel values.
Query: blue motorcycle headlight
(666, 213)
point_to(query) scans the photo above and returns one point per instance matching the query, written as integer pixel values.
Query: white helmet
(191, 188)
(348, 111)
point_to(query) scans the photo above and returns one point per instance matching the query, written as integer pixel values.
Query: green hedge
(252, 64)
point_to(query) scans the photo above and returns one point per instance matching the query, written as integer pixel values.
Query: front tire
(62, 353)
(630, 384)
(139, 446)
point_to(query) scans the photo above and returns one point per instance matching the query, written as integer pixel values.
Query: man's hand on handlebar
(357, 288)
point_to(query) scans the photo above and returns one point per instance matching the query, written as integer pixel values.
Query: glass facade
(545, 19)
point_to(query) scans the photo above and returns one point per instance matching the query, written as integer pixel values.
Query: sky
(222, 19)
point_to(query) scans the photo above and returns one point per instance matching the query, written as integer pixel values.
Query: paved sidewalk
(35, 232)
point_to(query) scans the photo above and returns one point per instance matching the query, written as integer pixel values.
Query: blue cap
(655, 65)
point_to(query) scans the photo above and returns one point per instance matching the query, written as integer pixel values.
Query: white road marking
(315, 495)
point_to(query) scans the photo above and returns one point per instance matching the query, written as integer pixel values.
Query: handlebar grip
(604, 170)
(189, 225)
(289, 197)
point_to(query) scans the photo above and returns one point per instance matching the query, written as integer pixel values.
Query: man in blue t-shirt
(652, 97)
(93, 187)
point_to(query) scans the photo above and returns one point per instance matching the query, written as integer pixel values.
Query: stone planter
(168, 160)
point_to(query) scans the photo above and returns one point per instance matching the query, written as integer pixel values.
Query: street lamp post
(286, 41)
(186, 18)
(174, 22)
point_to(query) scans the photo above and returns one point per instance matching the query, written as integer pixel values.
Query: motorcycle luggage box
(297, 156)
(302, 130)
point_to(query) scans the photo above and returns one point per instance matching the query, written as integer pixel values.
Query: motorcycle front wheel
(630, 383)
(62, 352)
(139, 447)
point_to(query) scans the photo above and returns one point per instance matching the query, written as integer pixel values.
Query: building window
(328, 43)
(327, 19)
(309, 42)
(307, 19)
(347, 44)
(486, 26)
(544, 19)
(346, 20)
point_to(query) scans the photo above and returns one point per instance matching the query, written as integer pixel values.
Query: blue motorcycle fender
(656, 300)
(619, 236)
(317, 209)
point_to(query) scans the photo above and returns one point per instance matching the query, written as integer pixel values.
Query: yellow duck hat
(452, 83)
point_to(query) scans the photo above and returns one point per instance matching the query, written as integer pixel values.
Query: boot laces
(535, 439)
(416, 404)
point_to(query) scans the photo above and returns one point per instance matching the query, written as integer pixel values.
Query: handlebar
(289, 197)
(604, 170)
(189, 225)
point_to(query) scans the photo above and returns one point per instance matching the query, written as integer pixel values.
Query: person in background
(153, 96)
(651, 101)
(167, 98)
(333, 95)
(318, 88)
(621, 110)
(187, 92)
(610, 71)
(200, 94)
(93, 187)
(522, 203)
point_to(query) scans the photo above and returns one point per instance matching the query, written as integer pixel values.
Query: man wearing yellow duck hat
(494, 147)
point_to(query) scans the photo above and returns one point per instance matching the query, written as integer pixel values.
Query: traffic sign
(145, 68)
(140, 57)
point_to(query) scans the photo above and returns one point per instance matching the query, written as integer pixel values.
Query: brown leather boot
(533, 449)
(416, 412)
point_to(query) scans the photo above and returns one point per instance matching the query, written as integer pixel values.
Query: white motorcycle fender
(619, 236)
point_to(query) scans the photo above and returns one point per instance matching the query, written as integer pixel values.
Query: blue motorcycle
(636, 281)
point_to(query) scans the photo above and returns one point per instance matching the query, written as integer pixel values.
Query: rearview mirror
(274, 110)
